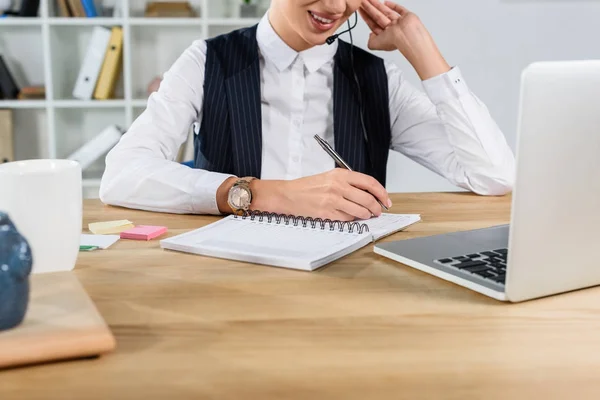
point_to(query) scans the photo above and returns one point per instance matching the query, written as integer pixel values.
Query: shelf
(20, 21)
(233, 21)
(166, 22)
(49, 50)
(139, 102)
(89, 103)
(138, 21)
(61, 21)
(22, 104)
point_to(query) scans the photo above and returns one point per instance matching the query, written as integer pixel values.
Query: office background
(491, 41)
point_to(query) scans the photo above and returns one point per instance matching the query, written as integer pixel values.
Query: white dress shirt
(446, 129)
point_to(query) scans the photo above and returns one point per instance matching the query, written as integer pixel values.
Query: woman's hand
(396, 28)
(338, 194)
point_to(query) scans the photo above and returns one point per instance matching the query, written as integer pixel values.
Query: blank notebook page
(264, 242)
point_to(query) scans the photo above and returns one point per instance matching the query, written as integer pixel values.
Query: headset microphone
(332, 39)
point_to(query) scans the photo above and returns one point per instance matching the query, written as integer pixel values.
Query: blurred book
(22, 8)
(76, 8)
(32, 93)
(89, 8)
(6, 137)
(64, 8)
(29, 8)
(164, 9)
(8, 86)
(79, 8)
(111, 66)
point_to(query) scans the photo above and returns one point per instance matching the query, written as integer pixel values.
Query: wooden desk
(361, 328)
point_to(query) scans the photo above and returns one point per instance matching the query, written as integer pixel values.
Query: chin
(316, 40)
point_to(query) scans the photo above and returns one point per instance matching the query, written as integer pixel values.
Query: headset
(330, 41)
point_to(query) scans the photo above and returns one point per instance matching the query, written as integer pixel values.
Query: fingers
(371, 185)
(370, 22)
(351, 208)
(363, 199)
(397, 8)
(376, 15)
(338, 215)
(385, 10)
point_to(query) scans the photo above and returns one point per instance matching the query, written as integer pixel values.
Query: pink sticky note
(143, 232)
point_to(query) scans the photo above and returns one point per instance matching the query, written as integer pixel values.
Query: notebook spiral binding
(314, 223)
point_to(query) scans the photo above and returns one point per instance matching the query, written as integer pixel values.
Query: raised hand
(396, 28)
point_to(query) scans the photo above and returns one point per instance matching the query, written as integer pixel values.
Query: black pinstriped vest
(230, 137)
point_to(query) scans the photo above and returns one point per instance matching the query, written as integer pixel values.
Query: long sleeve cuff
(204, 198)
(450, 85)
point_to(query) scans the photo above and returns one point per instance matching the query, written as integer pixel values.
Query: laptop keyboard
(490, 265)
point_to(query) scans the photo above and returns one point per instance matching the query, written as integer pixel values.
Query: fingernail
(389, 203)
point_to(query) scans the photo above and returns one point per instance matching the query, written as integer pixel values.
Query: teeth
(321, 19)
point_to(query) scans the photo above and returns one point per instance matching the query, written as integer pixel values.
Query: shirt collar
(279, 53)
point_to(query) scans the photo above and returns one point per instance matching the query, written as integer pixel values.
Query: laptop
(551, 243)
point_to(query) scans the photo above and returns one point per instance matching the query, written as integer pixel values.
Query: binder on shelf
(97, 147)
(8, 86)
(111, 67)
(6, 137)
(92, 63)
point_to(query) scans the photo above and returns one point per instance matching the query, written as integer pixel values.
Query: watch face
(239, 197)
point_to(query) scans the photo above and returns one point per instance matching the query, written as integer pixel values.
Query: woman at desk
(259, 96)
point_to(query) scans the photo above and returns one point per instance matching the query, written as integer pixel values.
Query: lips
(322, 22)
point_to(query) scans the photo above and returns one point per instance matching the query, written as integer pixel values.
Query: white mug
(43, 198)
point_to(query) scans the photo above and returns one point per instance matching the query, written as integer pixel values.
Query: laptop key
(501, 251)
(446, 260)
(461, 258)
(469, 264)
(489, 254)
(473, 255)
(477, 269)
(500, 278)
(485, 274)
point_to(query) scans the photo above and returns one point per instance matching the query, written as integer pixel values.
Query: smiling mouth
(322, 23)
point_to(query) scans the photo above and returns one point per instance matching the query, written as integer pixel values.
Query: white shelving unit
(48, 50)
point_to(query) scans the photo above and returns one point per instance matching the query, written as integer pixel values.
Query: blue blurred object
(15, 267)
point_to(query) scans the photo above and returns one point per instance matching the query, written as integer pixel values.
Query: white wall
(492, 41)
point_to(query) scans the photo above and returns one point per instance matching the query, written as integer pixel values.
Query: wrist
(430, 67)
(223, 193)
(427, 60)
(268, 195)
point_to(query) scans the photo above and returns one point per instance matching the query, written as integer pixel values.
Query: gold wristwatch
(240, 196)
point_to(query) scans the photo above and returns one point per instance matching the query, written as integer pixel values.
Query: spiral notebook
(286, 241)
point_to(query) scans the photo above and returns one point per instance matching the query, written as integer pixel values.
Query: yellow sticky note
(110, 227)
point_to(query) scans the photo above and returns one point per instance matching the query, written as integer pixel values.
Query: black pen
(338, 160)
